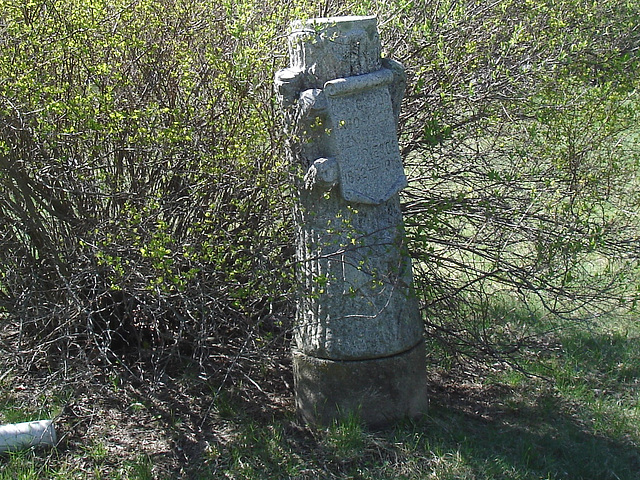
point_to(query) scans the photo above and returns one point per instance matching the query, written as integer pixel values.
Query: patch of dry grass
(232, 417)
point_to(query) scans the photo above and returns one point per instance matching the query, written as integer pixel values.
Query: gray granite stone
(341, 102)
(329, 48)
(356, 300)
(362, 137)
(377, 392)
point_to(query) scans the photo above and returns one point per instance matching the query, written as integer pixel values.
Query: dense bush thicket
(145, 191)
(143, 188)
(520, 131)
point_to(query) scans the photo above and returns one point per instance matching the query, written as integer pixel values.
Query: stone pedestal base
(378, 391)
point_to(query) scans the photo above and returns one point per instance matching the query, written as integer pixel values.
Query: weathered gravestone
(358, 345)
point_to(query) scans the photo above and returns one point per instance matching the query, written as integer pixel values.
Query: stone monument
(358, 346)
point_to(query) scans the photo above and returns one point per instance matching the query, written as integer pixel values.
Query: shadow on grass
(609, 358)
(510, 434)
(245, 428)
(470, 432)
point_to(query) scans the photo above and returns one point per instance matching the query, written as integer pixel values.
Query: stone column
(358, 345)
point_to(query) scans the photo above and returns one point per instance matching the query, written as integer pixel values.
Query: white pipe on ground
(16, 436)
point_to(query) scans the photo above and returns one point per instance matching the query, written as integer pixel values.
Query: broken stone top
(338, 47)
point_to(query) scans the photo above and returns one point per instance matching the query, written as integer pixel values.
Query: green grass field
(574, 416)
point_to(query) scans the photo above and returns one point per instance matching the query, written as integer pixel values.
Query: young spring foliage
(140, 154)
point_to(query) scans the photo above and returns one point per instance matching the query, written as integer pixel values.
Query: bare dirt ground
(175, 413)
(182, 417)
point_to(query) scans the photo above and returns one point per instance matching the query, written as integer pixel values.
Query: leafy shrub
(144, 180)
(141, 167)
(519, 132)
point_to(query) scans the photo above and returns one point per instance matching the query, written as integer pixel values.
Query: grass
(582, 421)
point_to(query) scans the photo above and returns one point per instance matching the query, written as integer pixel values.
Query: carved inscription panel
(364, 142)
